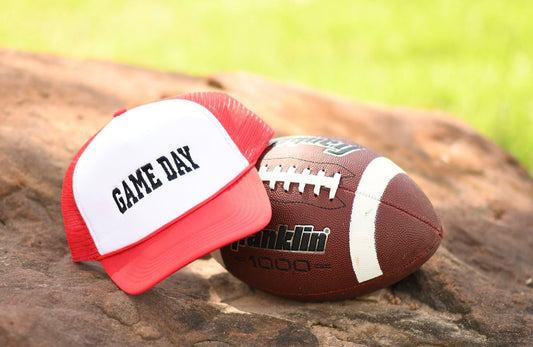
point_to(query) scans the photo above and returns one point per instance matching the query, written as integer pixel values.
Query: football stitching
(303, 179)
(314, 162)
(351, 175)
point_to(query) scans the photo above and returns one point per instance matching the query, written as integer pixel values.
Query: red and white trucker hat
(164, 184)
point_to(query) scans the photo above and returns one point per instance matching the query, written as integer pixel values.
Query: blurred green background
(472, 59)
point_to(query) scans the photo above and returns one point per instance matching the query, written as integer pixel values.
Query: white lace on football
(302, 179)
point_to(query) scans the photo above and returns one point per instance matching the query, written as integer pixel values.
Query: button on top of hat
(119, 112)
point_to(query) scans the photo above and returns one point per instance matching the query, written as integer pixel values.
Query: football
(345, 221)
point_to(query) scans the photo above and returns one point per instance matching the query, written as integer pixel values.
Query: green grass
(473, 59)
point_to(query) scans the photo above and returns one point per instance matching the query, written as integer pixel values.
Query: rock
(476, 290)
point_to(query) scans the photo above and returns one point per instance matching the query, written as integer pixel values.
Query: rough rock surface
(476, 290)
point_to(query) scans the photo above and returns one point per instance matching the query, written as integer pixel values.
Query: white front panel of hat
(149, 166)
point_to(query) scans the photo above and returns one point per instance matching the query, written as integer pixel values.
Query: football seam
(423, 220)
(352, 175)
(429, 250)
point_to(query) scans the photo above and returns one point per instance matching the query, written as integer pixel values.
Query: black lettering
(281, 236)
(180, 165)
(119, 200)
(264, 263)
(297, 238)
(268, 239)
(184, 151)
(147, 169)
(254, 240)
(280, 261)
(257, 239)
(302, 239)
(169, 170)
(318, 242)
(304, 266)
(304, 246)
(129, 195)
(138, 182)
(287, 241)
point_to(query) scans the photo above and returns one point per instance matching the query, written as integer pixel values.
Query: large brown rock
(474, 291)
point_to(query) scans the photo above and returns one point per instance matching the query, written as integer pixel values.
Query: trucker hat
(164, 184)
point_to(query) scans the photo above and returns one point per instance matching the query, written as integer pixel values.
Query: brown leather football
(345, 221)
